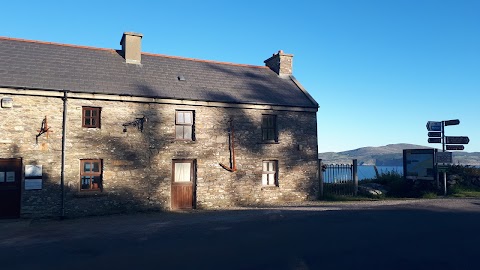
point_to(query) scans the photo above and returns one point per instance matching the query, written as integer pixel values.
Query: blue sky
(379, 69)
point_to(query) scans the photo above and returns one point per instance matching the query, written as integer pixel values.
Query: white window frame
(269, 174)
(182, 124)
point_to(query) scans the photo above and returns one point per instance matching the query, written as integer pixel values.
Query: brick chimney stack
(280, 63)
(132, 47)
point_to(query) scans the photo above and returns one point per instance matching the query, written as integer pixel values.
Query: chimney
(280, 63)
(132, 47)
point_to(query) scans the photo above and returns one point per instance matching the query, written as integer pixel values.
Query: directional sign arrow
(455, 147)
(452, 122)
(434, 140)
(457, 140)
(435, 134)
(434, 126)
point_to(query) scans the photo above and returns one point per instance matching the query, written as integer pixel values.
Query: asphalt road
(417, 234)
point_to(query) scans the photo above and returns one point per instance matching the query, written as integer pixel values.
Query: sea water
(368, 171)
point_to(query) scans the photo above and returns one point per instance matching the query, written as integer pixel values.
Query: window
(91, 117)
(183, 171)
(184, 125)
(91, 174)
(269, 173)
(269, 128)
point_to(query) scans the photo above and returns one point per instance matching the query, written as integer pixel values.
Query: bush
(401, 188)
(464, 175)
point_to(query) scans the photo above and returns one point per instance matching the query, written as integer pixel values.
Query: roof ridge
(201, 60)
(143, 53)
(55, 43)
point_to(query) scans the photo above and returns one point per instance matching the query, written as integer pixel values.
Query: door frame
(193, 182)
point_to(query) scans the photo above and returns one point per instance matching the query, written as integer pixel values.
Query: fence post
(320, 179)
(355, 178)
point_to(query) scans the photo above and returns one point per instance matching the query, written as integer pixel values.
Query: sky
(380, 70)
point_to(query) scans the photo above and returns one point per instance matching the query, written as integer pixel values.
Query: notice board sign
(32, 184)
(33, 177)
(419, 164)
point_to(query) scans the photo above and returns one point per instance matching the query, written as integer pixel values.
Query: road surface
(414, 234)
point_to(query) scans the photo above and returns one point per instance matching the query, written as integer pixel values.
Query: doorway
(10, 187)
(183, 184)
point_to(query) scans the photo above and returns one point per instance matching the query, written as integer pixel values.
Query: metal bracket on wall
(138, 123)
(231, 137)
(43, 129)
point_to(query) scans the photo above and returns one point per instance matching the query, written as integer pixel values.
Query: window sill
(185, 141)
(89, 193)
(269, 187)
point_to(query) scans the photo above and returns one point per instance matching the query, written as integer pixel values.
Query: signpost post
(436, 134)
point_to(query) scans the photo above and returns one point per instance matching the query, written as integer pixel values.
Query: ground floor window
(270, 173)
(91, 174)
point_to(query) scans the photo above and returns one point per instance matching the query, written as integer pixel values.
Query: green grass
(464, 192)
(429, 195)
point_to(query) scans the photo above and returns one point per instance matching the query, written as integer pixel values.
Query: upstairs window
(184, 125)
(269, 173)
(91, 117)
(91, 174)
(269, 128)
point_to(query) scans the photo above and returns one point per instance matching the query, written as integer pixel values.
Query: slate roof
(50, 66)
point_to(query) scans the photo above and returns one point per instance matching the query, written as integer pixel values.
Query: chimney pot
(132, 47)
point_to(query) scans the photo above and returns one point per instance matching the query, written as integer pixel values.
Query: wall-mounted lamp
(7, 102)
(138, 123)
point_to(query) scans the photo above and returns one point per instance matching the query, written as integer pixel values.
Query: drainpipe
(64, 138)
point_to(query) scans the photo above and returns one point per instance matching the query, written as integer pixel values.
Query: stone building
(87, 131)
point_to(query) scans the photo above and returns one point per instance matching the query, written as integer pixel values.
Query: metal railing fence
(338, 179)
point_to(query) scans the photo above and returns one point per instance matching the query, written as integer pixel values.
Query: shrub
(400, 188)
(464, 175)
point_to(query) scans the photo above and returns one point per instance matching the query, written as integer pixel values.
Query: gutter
(51, 92)
(64, 139)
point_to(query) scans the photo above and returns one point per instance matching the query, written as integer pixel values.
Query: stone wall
(137, 166)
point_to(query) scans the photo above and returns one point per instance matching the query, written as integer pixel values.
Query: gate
(338, 179)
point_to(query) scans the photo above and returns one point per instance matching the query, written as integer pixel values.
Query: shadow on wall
(147, 186)
(14, 151)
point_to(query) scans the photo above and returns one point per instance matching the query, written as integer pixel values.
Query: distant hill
(390, 155)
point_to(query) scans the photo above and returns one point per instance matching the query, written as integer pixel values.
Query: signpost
(455, 147)
(442, 168)
(452, 122)
(436, 134)
(457, 140)
(434, 126)
(444, 157)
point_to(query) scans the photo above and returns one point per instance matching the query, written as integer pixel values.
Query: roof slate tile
(55, 66)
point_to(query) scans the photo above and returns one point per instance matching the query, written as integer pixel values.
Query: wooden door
(10, 187)
(183, 184)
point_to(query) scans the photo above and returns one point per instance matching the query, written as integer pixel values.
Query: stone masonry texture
(137, 166)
